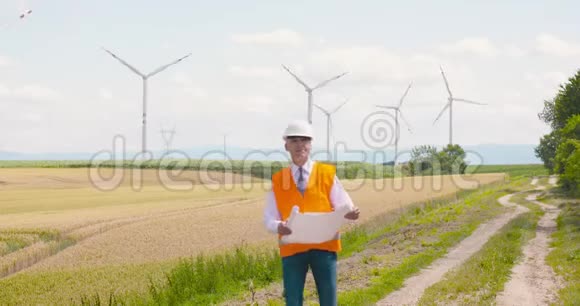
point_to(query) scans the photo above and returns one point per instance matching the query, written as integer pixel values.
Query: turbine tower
(329, 124)
(449, 106)
(309, 89)
(225, 148)
(398, 112)
(145, 77)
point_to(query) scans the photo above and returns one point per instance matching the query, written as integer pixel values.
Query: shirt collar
(307, 167)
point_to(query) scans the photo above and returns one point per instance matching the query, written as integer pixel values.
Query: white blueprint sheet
(314, 227)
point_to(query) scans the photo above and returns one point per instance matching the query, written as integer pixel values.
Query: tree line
(560, 149)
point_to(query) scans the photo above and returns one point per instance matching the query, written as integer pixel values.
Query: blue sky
(60, 92)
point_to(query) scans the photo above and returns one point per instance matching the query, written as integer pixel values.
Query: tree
(546, 150)
(567, 102)
(547, 114)
(557, 113)
(572, 128)
(426, 160)
(422, 160)
(568, 166)
(452, 160)
(567, 159)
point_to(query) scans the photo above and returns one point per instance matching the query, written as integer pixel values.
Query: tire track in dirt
(533, 282)
(414, 287)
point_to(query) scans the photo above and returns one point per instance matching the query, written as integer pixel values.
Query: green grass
(512, 170)
(207, 280)
(467, 214)
(265, 169)
(204, 280)
(565, 257)
(14, 240)
(65, 287)
(259, 169)
(478, 280)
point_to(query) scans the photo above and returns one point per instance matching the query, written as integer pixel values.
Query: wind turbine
(145, 77)
(449, 106)
(309, 89)
(22, 16)
(398, 112)
(329, 124)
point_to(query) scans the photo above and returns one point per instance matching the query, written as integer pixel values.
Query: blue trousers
(323, 265)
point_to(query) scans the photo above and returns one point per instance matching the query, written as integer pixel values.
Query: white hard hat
(298, 128)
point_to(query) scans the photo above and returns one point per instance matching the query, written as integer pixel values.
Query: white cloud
(372, 64)
(189, 87)
(257, 104)
(30, 92)
(6, 61)
(281, 37)
(33, 117)
(105, 94)
(251, 72)
(552, 45)
(36, 92)
(480, 46)
(547, 83)
(515, 51)
(4, 91)
(195, 92)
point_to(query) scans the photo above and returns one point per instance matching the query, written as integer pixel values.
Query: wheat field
(66, 224)
(127, 226)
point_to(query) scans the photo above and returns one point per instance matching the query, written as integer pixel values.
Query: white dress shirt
(338, 197)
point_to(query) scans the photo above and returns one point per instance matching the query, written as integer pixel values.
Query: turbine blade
(324, 83)
(384, 106)
(156, 71)
(468, 101)
(405, 120)
(446, 83)
(405, 94)
(322, 109)
(337, 108)
(297, 78)
(441, 113)
(124, 63)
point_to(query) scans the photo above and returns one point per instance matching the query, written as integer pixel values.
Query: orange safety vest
(316, 199)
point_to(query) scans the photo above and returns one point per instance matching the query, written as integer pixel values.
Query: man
(313, 187)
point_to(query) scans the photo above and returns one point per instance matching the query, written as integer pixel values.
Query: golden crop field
(54, 220)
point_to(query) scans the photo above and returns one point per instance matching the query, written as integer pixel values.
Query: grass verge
(481, 277)
(565, 257)
(466, 216)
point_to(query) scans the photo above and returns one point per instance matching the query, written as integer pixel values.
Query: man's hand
(283, 229)
(353, 214)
